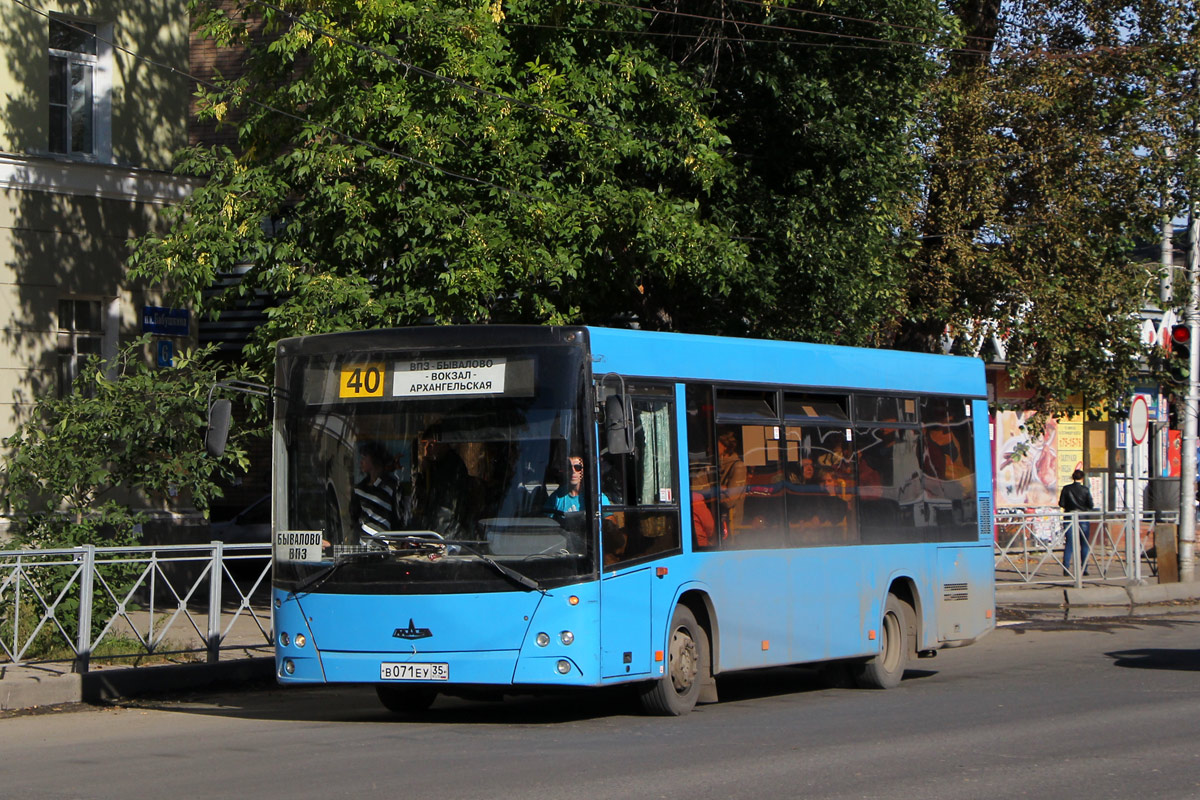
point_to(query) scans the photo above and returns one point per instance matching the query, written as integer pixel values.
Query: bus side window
(709, 529)
(641, 512)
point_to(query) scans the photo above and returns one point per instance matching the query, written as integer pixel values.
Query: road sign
(1139, 418)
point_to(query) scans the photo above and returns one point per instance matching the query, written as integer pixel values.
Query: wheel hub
(683, 660)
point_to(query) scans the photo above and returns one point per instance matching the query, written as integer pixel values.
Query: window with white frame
(80, 88)
(81, 329)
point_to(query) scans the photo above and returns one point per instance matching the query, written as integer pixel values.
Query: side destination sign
(439, 376)
(298, 546)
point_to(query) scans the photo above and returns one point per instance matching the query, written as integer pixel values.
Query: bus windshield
(427, 471)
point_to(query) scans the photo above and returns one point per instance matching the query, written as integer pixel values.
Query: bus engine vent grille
(954, 591)
(985, 517)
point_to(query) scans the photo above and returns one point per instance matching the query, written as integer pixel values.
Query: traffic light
(1181, 352)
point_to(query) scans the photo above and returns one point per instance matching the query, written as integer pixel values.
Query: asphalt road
(1048, 709)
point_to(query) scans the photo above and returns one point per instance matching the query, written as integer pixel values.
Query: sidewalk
(245, 657)
(1112, 593)
(54, 684)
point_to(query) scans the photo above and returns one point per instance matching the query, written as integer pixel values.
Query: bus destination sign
(449, 376)
(433, 377)
(298, 546)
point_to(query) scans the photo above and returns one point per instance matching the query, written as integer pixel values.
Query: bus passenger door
(625, 616)
(639, 528)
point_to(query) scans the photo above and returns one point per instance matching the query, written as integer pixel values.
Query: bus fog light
(289, 666)
(542, 639)
(564, 666)
(566, 637)
(284, 639)
(300, 640)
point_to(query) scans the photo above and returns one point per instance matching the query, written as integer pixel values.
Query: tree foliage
(741, 169)
(75, 465)
(1047, 154)
(895, 173)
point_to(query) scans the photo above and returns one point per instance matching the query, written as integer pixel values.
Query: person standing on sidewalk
(1076, 497)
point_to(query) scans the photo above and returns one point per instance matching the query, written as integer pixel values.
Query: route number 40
(362, 380)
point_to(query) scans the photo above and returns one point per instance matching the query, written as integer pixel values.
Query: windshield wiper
(425, 542)
(427, 538)
(339, 561)
(516, 577)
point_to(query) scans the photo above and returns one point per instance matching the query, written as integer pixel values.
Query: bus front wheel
(406, 699)
(885, 670)
(687, 654)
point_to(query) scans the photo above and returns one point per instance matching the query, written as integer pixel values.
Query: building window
(80, 88)
(80, 335)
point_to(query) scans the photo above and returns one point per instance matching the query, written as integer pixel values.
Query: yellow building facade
(90, 116)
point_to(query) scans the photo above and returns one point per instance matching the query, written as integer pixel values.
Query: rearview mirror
(219, 414)
(618, 427)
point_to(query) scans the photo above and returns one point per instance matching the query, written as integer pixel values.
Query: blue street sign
(166, 321)
(165, 350)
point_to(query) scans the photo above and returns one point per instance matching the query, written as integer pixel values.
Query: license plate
(391, 671)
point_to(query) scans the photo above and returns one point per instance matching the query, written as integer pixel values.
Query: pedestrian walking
(1076, 497)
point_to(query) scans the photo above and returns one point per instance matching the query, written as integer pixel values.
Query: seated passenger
(440, 488)
(374, 505)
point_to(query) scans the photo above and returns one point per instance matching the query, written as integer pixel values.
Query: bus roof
(683, 356)
(718, 358)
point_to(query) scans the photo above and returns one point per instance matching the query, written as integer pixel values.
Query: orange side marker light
(658, 655)
(871, 635)
(766, 644)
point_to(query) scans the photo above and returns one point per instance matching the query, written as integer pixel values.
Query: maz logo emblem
(412, 632)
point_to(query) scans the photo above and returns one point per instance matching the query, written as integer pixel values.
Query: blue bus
(516, 508)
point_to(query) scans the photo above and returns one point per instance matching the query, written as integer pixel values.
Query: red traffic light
(1180, 334)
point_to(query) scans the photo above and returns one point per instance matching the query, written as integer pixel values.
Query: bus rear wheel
(406, 699)
(885, 670)
(676, 693)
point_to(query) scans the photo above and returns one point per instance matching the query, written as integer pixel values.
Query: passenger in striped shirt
(375, 496)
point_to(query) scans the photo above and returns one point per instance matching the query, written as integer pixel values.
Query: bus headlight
(284, 639)
(542, 639)
(289, 666)
(564, 666)
(300, 640)
(566, 637)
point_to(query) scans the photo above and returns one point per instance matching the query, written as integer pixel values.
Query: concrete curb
(31, 687)
(115, 684)
(28, 688)
(1092, 596)
(1098, 596)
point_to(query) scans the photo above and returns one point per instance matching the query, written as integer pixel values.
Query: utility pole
(1187, 471)
(1166, 259)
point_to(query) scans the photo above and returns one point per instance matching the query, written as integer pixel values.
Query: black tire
(885, 670)
(676, 692)
(406, 699)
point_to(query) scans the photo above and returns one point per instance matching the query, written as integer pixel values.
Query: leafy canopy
(722, 168)
(76, 464)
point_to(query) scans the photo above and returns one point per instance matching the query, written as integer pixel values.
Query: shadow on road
(1151, 658)
(358, 704)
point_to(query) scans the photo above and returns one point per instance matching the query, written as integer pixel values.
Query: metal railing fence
(76, 604)
(1052, 547)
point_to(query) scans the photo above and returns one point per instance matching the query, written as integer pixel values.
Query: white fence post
(216, 576)
(83, 646)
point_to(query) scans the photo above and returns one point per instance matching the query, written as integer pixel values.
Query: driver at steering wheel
(566, 499)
